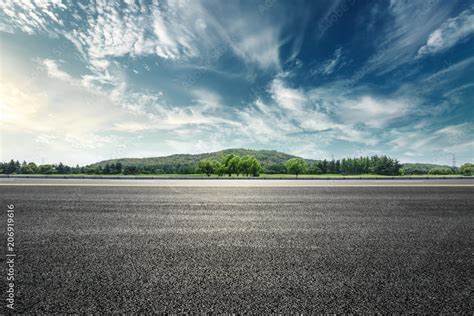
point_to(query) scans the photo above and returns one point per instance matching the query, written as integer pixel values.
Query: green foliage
(412, 171)
(296, 166)
(113, 168)
(232, 165)
(219, 168)
(255, 167)
(271, 161)
(418, 168)
(206, 166)
(383, 165)
(249, 165)
(60, 168)
(28, 168)
(11, 167)
(235, 162)
(440, 171)
(467, 169)
(313, 168)
(130, 170)
(46, 169)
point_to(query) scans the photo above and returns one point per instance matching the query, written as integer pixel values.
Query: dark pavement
(242, 249)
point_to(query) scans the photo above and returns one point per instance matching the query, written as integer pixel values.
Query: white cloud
(171, 30)
(431, 139)
(288, 98)
(200, 146)
(72, 112)
(435, 144)
(61, 118)
(373, 112)
(297, 105)
(446, 74)
(210, 100)
(53, 70)
(449, 33)
(455, 132)
(263, 123)
(330, 65)
(320, 110)
(261, 48)
(33, 15)
(398, 42)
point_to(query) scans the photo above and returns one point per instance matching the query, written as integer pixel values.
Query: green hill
(424, 168)
(272, 161)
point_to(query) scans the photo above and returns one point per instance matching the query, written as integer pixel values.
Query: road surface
(268, 246)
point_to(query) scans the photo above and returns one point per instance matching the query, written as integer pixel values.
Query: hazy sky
(87, 81)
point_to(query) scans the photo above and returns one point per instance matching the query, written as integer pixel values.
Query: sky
(84, 81)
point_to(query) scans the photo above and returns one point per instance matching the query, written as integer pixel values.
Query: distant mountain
(422, 166)
(271, 160)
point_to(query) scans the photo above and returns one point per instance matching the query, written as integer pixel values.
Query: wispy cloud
(261, 48)
(372, 112)
(288, 98)
(321, 110)
(412, 23)
(32, 16)
(436, 143)
(170, 30)
(449, 33)
(184, 76)
(330, 65)
(447, 73)
(52, 69)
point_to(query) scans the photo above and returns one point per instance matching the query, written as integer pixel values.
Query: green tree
(233, 165)
(10, 167)
(314, 169)
(244, 166)
(206, 166)
(46, 169)
(91, 170)
(107, 169)
(67, 169)
(76, 169)
(440, 170)
(249, 165)
(129, 170)
(225, 159)
(60, 168)
(255, 167)
(467, 169)
(219, 168)
(296, 166)
(28, 168)
(118, 168)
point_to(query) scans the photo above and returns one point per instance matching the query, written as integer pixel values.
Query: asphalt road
(242, 249)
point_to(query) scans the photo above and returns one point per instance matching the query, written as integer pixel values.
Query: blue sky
(87, 81)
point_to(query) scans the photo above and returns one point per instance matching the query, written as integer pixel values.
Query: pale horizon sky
(82, 82)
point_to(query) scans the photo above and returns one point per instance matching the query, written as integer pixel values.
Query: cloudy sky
(87, 81)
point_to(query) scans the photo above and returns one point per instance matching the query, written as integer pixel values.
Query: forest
(247, 165)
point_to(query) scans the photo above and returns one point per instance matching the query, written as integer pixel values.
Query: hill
(422, 166)
(272, 161)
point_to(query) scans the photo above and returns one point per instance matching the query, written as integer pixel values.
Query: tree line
(383, 165)
(246, 165)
